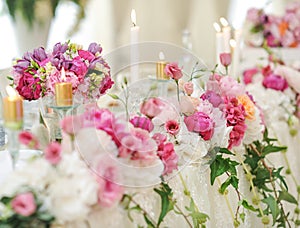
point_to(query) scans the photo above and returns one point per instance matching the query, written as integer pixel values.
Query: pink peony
(53, 153)
(28, 139)
(173, 71)
(225, 59)
(169, 158)
(172, 127)
(275, 82)
(72, 124)
(230, 87)
(201, 123)
(188, 88)
(152, 107)
(248, 75)
(142, 122)
(24, 204)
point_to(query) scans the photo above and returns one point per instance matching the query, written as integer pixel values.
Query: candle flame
(161, 56)
(232, 43)
(63, 74)
(224, 22)
(217, 27)
(11, 91)
(133, 17)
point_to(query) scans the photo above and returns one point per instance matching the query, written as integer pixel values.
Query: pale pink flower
(28, 139)
(72, 124)
(225, 59)
(188, 88)
(53, 153)
(188, 105)
(24, 204)
(172, 127)
(173, 71)
(152, 107)
(230, 87)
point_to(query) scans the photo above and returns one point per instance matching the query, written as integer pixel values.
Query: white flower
(254, 129)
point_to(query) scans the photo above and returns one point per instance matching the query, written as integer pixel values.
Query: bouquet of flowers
(275, 31)
(35, 75)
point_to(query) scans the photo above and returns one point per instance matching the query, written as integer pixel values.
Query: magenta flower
(172, 127)
(169, 158)
(142, 122)
(275, 82)
(248, 75)
(24, 204)
(53, 153)
(200, 123)
(214, 98)
(28, 139)
(152, 107)
(225, 59)
(173, 71)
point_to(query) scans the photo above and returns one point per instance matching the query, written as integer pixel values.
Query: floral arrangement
(223, 129)
(274, 31)
(35, 74)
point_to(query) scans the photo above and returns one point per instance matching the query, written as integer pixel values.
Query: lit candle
(226, 34)
(63, 91)
(13, 110)
(134, 55)
(219, 42)
(235, 44)
(160, 68)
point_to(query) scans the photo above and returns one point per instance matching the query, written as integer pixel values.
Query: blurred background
(187, 23)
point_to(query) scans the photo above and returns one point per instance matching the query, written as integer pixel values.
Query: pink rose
(248, 75)
(225, 59)
(275, 82)
(188, 88)
(28, 139)
(72, 124)
(172, 127)
(152, 107)
(200, 123)
(173, 71)
(53, 153)
(24, 204)
(142, 122)
(169, 158)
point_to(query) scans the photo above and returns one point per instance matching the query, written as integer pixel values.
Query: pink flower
(248, 75)
(172, 127)
(24, 204)
(86, 55)
(275, 82)
(72, 124)
(28, 139)
(212, 97)
(152, 107)
(230, 87)
(225, 59)
(200, 123)
(53, 153)
(160, 139)
(253, 15)
(173, 71)
(79, 67)
(169, 158)
(142, 122)
(188, 88)
(109, 192)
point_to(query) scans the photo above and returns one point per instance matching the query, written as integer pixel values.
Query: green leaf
(199, 218)
(217, 168)
(247, 206)
(10, 78)
(242, 217)
(226, 151)
(273, 206)
(149, 223)
(165, 193)
(225, 185)
(5, 200)
(284, 195)
(114, 96)
(272, 149)
(47, 217)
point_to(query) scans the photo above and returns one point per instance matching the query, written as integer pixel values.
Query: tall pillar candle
(219, 42)
(226, 34)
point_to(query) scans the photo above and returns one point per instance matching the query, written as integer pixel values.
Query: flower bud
(265, 220)
(236, 223)
(288, 171)
(255, 200)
